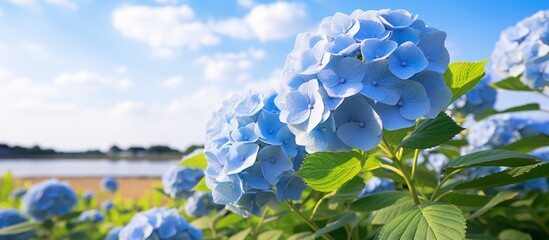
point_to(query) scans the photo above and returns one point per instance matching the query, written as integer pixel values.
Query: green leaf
(229, 221)
(326, 172)
(457, 143)
(201, 186)
(491, 158)
(336, 223)
(526, 107)
(350, 190)
(385, 215)
(427, 221)
(395, 137)
(511, 83)
(19, 228)
(301, 236)
(203, 222)
(432, 132)
(241, 235)
(377, 201)
(499, 198)
(195, 161)
(270, 235)
(511, 234)
(508, 176)
(466, 200)
(461, 77)
(7, 186)
(528, 144)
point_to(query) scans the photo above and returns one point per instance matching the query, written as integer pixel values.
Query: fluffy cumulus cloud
(172, 81)
(169, 28)
(87, 79)
(230, 66)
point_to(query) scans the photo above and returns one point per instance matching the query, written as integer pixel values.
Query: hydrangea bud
(47, 199)
(109, 184)
(252, 156)
(359, 74)
(179, 181)
(159, 223)
(523, 50)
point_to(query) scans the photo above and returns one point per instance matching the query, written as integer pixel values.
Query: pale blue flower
(407, 60)
(339, 24)
(438, 93)
(344, 79)
(159, 223)
(313, 60)
(477, 101)
(200, 204)
(321, 139)
(249, 105)
(268, 127)
(109, 184)
(536, 73)
(274, 162)
(178, 181)
(375, 184)
(113, 233)
(432, 46)
(342, 45)
(413, 103)
(403, 35)
(397, 19)
(290, 187)
(253, 202)
(357, 125)
(225, 192)
(47, 199)
(241, 156)
(304, 106)
(107, 205)
(9, 217)
(92, 216)
(375, 49)
(370, 28)
(380, 84)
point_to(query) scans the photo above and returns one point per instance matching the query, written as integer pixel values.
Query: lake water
(85, 167)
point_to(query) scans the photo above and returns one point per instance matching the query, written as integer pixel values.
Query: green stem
(414, 164)
(446, 178)
(307, 221)
(317, 205)
(538, 220)
(391, 168)
(409, 182)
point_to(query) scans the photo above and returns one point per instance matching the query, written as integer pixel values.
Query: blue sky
(78, 74)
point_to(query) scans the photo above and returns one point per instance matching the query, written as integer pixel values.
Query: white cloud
(230, 66)
(31, 47)
(121, 69)
(172, 81)
(167, 1)
(168, 29)
(127, 107)
(245, 3)
(277, 20)
(165, 29)
(89, 79)
(63, 3)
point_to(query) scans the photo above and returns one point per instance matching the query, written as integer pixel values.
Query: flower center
(271, 131)
(361, 124)
(374, 83)
(342, 80)
(400, 103)
(272, 160)
(404, 64)
(311, 106)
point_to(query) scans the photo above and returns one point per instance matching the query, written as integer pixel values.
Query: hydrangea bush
(159, 223)
(48, 199)
(523, 51)
(9, 217)
(179, 181)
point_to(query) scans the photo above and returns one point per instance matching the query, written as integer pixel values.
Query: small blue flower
(290, 187)
(107, 206)
(159, 223)
(536, 73)
(403, 35)
(344, 79)
(322, 138)
(274, 162)
(375, 184)
(477, 101)
(200, 204)
(253, 202)
(313, 60)
(413, 103)
(432, 46)
(357, 124)
(113, 233)
(268, 127)
(407, 60)
(375, 49)
(371, 28)
(92, 216)
(438, 93)
(109, 184)
(179, 181)
(9, 217)
(47, 199)
(225, 192)
(88, 195)
(339, 24)
(304, 106)
(398, 19)
(241, 156)
(380, 84)
(342, 45)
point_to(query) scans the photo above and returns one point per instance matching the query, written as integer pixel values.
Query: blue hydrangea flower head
(47, 199)
(109, 184)
(477, 101)
(246, 168)
(375, 184)
(397, 70)
(92, 216)
(522, 51)
(159, 223)
(88, 195)
(9, 217)
(200, 204)
(107, 205)
(179, 181)
(113, 233)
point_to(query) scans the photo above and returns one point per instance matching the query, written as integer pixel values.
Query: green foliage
(494, 158)
(499, 198)
(6, 187)
(528, 144)
(19, 228)
(508, 176)
(350, 190)
(525, 107)
(195, 161)
(432, 132)
(461, 77)
(336, 222)
(511, 83)
(427, 221)
(327, 172)
(377, 201)
(201, 186)
(511, 234)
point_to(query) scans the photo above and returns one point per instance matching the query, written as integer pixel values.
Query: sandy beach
(128, 187)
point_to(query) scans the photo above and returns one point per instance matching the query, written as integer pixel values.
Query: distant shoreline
(159, 157)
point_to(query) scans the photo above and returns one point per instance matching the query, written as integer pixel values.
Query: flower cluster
(109, 184)
(159, 223)
(10, 217)
(477, 101)
(107, 205)
(200, 204)
(251, 155)
(48, 198)
(503, 129)
(375, 184)
(92, 216)
(524, 49)
(179, 181)
(113, 233)
(360, 73)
